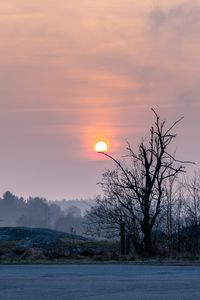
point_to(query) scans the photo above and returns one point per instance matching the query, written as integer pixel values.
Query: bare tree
(108, 218)
(138, 187)
(171, 207)
(192, 212)
(192, 199)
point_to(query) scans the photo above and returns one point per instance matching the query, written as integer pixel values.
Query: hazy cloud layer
(75, 71)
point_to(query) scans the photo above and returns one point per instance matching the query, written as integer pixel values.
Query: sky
(75, 72)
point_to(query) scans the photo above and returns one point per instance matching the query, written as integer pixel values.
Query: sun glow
(101, 147)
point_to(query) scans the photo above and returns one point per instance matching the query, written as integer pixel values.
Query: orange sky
(72, 72)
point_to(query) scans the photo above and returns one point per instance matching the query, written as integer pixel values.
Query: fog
(65, 215)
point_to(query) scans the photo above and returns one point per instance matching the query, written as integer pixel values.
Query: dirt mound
(23, 242)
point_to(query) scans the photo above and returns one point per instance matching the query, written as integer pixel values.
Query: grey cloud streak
(181, 19)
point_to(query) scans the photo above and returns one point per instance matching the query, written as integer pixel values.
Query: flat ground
(95, 282)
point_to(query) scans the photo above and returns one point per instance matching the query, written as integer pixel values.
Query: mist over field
(65, 215)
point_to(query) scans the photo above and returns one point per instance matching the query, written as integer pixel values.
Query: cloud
(72, 69)
(179, 20)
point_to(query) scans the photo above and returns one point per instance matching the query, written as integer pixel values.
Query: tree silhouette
(138, 187)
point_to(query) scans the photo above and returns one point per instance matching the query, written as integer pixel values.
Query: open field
(95, 282)
(20, 244)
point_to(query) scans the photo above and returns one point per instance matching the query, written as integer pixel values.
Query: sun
(101, 147)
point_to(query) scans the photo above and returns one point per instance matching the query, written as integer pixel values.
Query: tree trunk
(147, 230)
(122, 238)
(128, 238)
(148, 244)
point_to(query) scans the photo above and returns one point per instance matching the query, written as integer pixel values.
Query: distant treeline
(62, 215)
